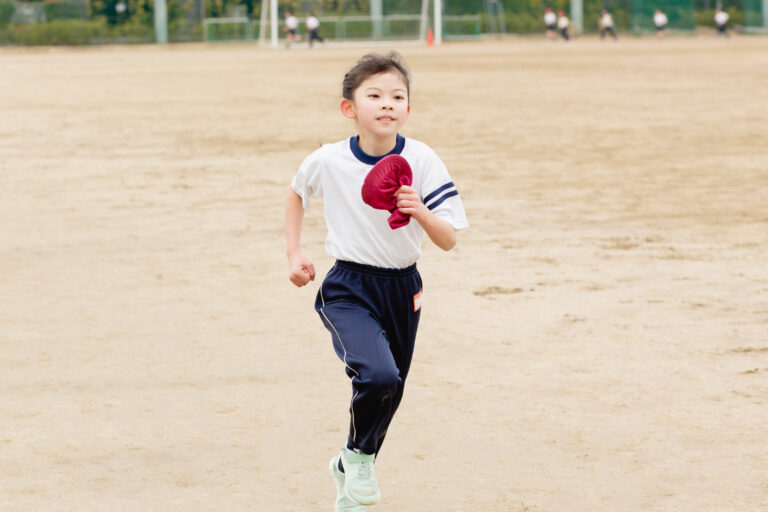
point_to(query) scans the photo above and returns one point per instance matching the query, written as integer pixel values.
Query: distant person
(550, 20)
(721, 22)
(660, 20)
(606, 25)
(562, 24)
(291, 26)
(312, 25)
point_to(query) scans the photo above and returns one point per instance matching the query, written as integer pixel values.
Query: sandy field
(597, 341)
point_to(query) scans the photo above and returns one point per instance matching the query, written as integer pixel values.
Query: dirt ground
(597, 341)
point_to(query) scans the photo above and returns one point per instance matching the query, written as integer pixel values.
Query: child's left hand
(409, 202)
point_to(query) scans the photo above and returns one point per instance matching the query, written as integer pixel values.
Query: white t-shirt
(360, 233)
(312, 23)
(607, 20)
(660, 19)
(550, 18)
(721, 18)
(291, 22)
(563, 22)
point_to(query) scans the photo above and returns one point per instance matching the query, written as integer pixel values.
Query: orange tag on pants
(417, 302)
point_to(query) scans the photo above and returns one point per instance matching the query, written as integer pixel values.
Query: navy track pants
(372, 314)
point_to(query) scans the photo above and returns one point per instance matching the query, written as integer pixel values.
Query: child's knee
(385, 380)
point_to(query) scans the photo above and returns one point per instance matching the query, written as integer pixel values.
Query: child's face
(380, 105)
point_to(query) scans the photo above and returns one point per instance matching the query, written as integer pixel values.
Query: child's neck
(376, 147)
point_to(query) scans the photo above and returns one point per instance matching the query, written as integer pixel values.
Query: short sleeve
(440, 194)
(307, 181)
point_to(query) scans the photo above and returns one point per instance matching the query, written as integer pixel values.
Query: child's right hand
(301, 270)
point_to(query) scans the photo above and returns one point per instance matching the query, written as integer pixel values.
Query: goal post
(421, 22)
(269, 7)
(161, 21)
(577, 15)
(438, 20)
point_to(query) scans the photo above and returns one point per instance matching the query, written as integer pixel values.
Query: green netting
(461, 26)
(402, 26)
(680, 14)
(756, 15)
(228, 29)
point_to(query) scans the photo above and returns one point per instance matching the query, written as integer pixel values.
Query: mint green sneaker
(343, 504)
(360, 482)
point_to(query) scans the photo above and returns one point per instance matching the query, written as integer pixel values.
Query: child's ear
(348, 109)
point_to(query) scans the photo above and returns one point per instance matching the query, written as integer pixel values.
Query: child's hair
(373, 64)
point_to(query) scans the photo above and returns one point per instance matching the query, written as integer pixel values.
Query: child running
(291, 28)
(660, 20)
(312, 25)
(606, 25)
(721, 22)
(370, 300)
(562, 23)
(550, 21)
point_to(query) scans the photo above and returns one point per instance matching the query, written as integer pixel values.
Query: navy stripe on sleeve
(445, 196)
(436, 192)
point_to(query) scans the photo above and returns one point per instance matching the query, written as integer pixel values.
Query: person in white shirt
(312, 25)
(721, 22)
(562, 24)
(370, 301)
(291, 28)
(660, 20)
(606, 25)
(550, 21)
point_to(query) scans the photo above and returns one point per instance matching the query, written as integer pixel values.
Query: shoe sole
(370, 501)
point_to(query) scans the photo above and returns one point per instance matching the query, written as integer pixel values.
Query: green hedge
(6, 13)
(521, 23)
(65, 11)
(75, 32)
(132, 31)
(96, 31)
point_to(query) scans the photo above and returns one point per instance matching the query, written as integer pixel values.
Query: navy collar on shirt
(364, 157)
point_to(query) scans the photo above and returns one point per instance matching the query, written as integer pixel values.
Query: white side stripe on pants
(344, 358)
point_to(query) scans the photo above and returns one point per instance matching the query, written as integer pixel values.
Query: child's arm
(439, 231)
(300, 268)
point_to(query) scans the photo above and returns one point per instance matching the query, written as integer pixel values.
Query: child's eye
(372, 95)
(399, 97)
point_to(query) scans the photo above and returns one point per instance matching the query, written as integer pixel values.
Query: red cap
(381, 183)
